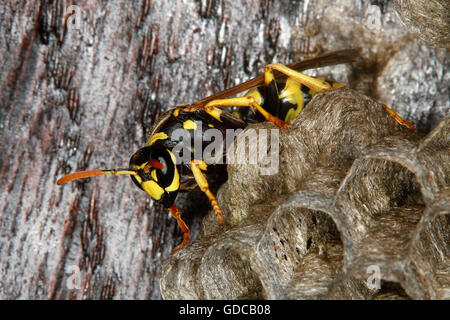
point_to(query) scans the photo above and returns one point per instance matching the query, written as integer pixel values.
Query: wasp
(277, 96)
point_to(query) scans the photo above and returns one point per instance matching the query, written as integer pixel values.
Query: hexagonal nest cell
(358, 209)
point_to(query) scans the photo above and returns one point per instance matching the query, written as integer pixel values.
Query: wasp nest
(357, 210)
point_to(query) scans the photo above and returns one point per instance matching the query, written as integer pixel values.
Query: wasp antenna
(93, 173)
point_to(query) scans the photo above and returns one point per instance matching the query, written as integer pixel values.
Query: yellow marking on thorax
(157, 136)
(175, 185)
(153, 189)
(189, 125)
(210, 125)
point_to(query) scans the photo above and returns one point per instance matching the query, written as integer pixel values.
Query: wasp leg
(399, 119)
(315, 84)
(197, 166)
(176, 213)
